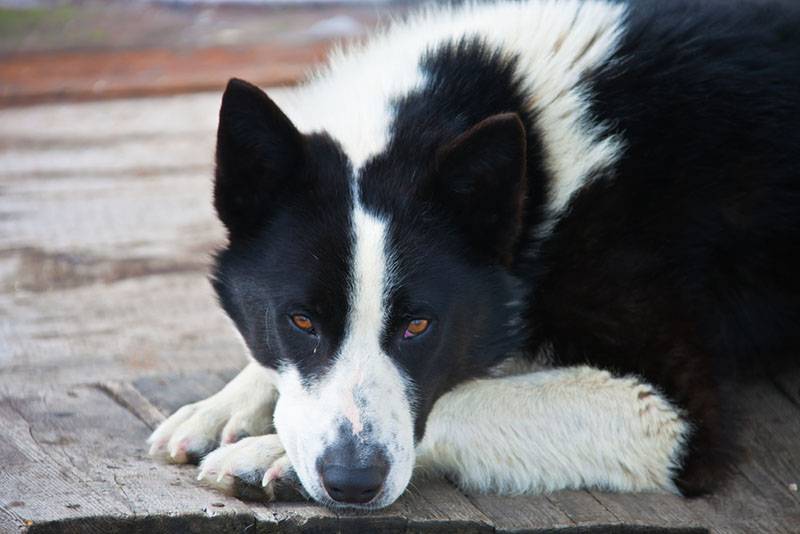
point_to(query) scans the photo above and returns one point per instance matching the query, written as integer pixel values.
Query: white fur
(257, 461)
(363, 387)
(556, 41)
(557, 429)
(242, 408)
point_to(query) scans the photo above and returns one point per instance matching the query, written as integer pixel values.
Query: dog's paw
(240, 409)
(254, 468)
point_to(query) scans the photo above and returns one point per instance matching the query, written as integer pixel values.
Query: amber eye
(415, 327)
(303, 323)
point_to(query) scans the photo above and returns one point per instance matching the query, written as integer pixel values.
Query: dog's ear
(259, 151)
(481, 179)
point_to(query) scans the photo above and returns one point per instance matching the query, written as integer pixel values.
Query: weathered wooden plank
(71, 454)
(293, 517)
(170, 392)
(583, 508)
(38, 481)
(653, 510)
(435, 505)
(119, 331)
(770, 435)
(522, 514)
(744, 502)
(130, 398)
(93, 121)
(156, 524)
(105, 228)
(727, 509)
(167, 393)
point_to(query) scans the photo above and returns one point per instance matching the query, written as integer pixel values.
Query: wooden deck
(107, 324)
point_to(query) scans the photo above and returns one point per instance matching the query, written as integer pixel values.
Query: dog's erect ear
(259, 151)
(481, 179)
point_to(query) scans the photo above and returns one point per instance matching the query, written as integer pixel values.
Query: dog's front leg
(556, 429)
(244, 407)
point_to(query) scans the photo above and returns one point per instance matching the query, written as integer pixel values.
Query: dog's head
(372, 290)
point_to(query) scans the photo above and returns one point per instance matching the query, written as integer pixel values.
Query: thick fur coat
(608, 188)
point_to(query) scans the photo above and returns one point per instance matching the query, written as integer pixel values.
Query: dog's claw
(275, 472)
(242, 467)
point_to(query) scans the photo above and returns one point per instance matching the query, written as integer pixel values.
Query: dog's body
(583, 182)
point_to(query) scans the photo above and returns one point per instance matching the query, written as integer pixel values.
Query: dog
(532, 245)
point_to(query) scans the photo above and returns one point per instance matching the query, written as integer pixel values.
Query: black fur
(286, 200)
(678, 264)
(681, 263)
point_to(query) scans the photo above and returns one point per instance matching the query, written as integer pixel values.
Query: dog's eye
(415, 327)
(303, 323)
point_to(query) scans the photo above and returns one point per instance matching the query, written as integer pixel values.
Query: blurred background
(54, 50)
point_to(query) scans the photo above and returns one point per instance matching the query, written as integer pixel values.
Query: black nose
(354, 486)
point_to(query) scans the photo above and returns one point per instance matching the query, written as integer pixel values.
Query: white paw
(251, 468)
(242, 408)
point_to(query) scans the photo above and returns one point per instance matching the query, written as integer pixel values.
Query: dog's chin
(377, 503)
(381, 500)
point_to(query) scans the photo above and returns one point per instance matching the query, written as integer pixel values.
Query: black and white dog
(610, 189)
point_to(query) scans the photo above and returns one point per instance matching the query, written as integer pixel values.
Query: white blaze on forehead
(370, 278)
(368, 293)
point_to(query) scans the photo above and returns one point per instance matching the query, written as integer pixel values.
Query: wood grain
(74, 454)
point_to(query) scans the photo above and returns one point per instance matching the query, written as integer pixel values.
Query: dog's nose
(353, 485)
